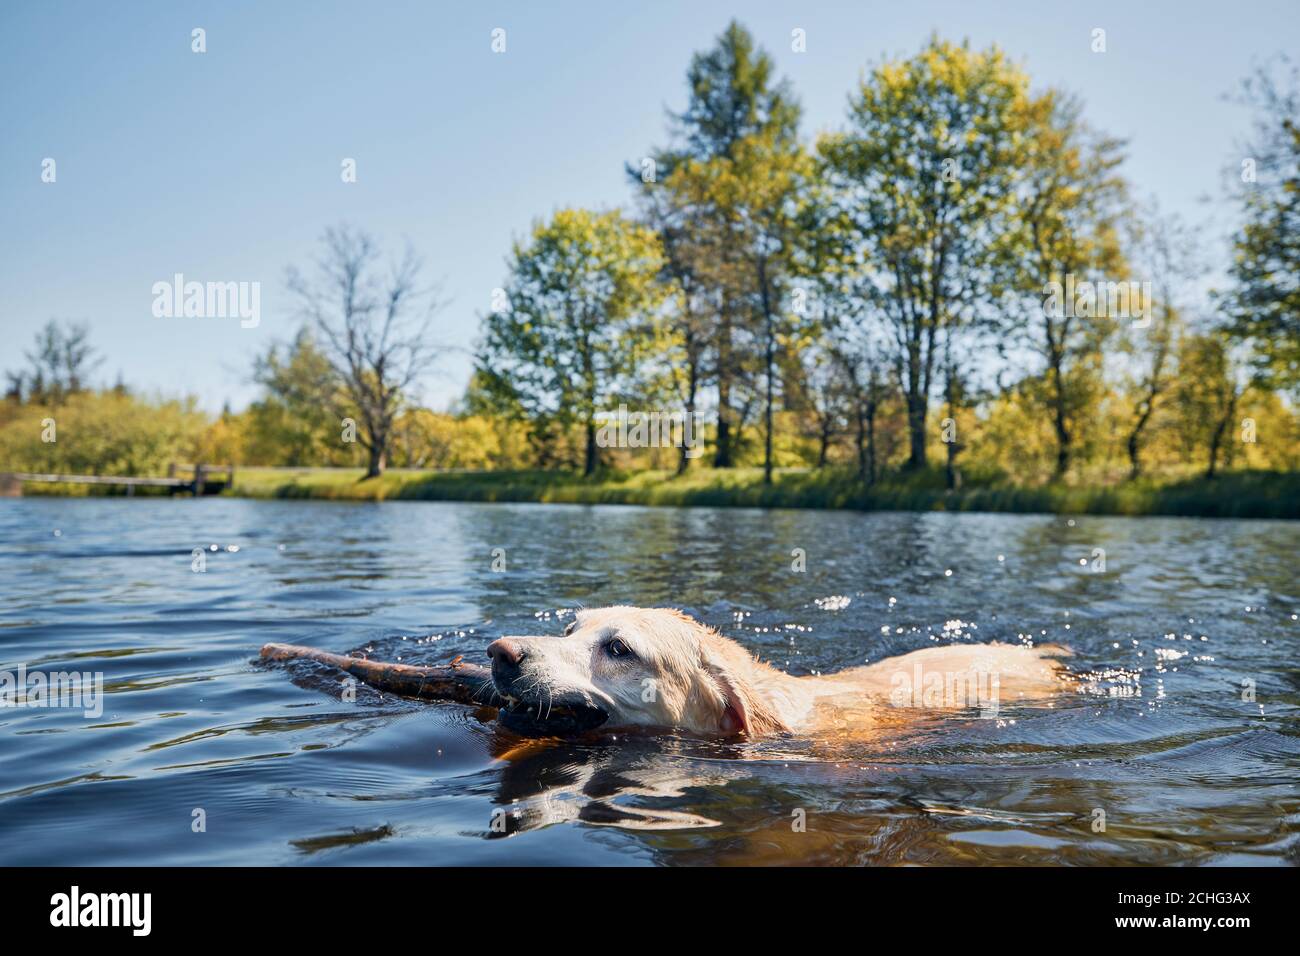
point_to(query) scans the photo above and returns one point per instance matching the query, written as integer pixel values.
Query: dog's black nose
(506, 654)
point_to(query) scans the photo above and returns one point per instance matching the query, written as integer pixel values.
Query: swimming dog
(658, 668)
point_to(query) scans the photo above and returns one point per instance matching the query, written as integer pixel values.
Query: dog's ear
(735, 719)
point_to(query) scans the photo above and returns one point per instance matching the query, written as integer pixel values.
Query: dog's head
(628, 667)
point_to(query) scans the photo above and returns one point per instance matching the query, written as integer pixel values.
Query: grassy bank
(1239, 494)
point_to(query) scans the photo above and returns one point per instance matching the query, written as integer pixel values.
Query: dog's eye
(571, 627)
(617, 648)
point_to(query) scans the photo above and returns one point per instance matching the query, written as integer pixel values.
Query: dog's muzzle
(531, 713)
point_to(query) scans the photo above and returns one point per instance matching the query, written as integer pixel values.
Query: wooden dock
(198, 481)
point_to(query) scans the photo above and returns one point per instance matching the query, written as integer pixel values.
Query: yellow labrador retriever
(630, 667)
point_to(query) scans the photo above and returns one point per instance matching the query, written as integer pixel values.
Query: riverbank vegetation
(1236, 494)
(1241, 494)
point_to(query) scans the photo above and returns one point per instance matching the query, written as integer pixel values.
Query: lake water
(1165, 759)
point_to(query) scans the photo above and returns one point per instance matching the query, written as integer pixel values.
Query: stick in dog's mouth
(460, 682)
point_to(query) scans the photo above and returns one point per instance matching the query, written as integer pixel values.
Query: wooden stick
(458, 681)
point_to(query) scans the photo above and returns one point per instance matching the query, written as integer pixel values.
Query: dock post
(198, 481)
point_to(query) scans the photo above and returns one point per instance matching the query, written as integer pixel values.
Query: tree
(820, 391)
(1071, 203)
(868, 391)
(1207, 393)
(954, 396)
(566, 347)
(1165, 251)
(14, 385)
(720, 299)
(682, 276)
(759, 193)
(734, 94)
(924, 180)
(847, 326)
(373, 328)
(296, 419)
(60, 364)
(779, 218)
(1264, 301)
(740, 126)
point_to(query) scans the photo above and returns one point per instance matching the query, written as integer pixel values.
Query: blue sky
(225, 165)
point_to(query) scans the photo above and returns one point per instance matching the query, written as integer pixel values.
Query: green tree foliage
(297, 420)
(1207, 396)
(924, 179)
(755, 200)
(566, 347)
(725, 196)
(1264, 301)
(1164, 250)
(101, 433)
(1071, 204)
(734, 95)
